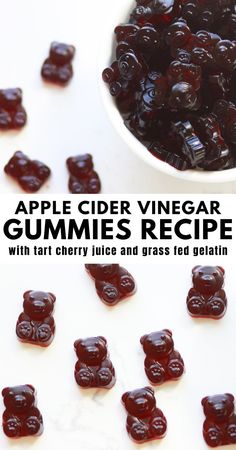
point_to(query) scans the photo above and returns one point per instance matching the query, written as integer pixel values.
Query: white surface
(88, 420)
(71, 120)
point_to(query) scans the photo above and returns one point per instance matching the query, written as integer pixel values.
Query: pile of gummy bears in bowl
(174, 80)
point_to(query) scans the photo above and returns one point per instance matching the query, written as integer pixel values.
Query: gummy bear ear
(5, 391)
(204, 400)
(53, 297)
(31, 387)
(230, 397)
(149, 389)
(102, 339)
(195, 269)
(125, 396)
(76, 343)
(168, 331)
(221, 269)
(143, 338)
(26, 294)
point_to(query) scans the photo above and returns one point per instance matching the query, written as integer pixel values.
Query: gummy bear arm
(151, 361)
(157, 413)
(7, 415)
(107, 364)
(221, 294)
(49, 321)
(232, 419)
(123, 271)
(192, 293)
(23, 317)
(80, 365)
(34, 412)
(208, 424)
(131, 420)
(175, 355)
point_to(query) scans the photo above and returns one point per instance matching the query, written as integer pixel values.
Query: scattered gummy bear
(57, 68)
(94, 367)
(162, 361)
(12, 113)
(145, 421)
(113, 283)
(21, 417)
(36, 325)
(219, 427)
(83, 179)
(207, 298)
(30, 174)
(171, 69)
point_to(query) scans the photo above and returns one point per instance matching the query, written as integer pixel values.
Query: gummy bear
(113, 283)
(162, 362)
(145, 422)
(207, 298)
(57, 68)
(191, 146)
(21, 416)
(94, 367)
(174, 160)
(209, 131)
(219, 427)
(30, 174)
(225, 54)
(226, 114)
(12, 113)
(202, 14)
(155, 12)
(83, 179)
(180, 72)
(36, 325)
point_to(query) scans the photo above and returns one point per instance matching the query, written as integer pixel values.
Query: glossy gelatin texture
(30, 174)
(83, 178)
(162, 362)
(113, 283)
(21, 417)
(219, 427)
(35, 324)
(94, 367)
(145, 421)
(12, 113)
(207, 298)
(173, 80)
(57, 68)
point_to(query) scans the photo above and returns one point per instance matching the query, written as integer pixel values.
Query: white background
(65, 122)
(88, 420)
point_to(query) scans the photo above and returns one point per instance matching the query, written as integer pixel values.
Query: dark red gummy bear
(58, 68)
(162, 362)
(145, 422)
(113, 283)
(219, 427)
(36, 325)
(30, 174)
(12, 113)
(21, 417)
(94, 367)
(207, 298)
(83, 179)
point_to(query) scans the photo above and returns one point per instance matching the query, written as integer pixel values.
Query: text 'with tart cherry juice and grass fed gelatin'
(140, 227)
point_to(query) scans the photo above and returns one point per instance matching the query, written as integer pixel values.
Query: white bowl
(118, 13)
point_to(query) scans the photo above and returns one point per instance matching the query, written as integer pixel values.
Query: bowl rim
(208, 177)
